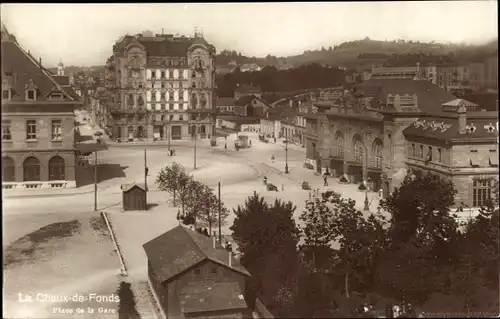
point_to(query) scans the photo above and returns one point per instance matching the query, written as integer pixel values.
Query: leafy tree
(420, 208)
(361, 240)
(204, 205)
(318, 234)
(263, 233)
(170, 177)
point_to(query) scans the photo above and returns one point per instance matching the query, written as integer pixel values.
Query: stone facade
(44, 146)
(162, 87)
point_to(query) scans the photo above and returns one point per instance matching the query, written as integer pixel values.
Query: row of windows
(31, 169)
(31, 130)
(168, 74)
(427, 155)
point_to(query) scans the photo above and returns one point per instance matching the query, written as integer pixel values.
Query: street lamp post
(286, 153)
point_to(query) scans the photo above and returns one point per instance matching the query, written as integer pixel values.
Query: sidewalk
(44, 192)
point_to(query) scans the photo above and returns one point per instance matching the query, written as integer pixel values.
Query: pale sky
(83, 34)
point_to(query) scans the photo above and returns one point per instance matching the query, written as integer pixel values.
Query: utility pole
(95, 181)
(286, 152)
(220, 227)
(194, 136)
(145, 171)
(168, 135)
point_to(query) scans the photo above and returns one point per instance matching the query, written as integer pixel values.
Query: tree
(318, 234)
(423, 238)
(204, 205)
(263, 233)
(420, 209)
(170, 177)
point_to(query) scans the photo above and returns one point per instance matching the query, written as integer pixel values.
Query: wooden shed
(134, 196)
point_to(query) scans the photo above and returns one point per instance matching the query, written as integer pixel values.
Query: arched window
(377, 153)
(202, 129)
(339, 145)
(31, 169)
(140, 132)
(130, 131)
(193, 130)
(56, 169)
(194, 101)
(358, 149)
(8, 170)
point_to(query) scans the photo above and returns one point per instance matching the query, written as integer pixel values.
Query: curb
(123, 269)
(14, 196)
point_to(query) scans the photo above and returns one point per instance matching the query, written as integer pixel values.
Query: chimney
(40, 62)
(462, 119)
(215, 242)
(230, 259)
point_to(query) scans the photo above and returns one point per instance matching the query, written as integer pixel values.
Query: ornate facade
(384, 128)
(162, 88)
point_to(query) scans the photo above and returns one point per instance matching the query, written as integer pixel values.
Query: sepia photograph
(250, 160)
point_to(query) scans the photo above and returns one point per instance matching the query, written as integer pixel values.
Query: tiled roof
(212, 296)
(175, 251)
(446, 128)
(19, 67)
(430, 97)
(225, 101)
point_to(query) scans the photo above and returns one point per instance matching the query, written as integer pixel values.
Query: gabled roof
(430, 97)
(212, 296)
(127, 187)
(19, 67)
(179, 249)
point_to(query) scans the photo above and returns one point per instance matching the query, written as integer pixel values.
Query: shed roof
(177, 250)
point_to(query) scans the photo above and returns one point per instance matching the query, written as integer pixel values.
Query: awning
(493, 161)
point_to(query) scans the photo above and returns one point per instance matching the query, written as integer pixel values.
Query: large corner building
(162, 87)
(38, 146)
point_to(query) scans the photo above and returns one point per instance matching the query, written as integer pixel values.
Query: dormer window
(30, 95)
(31, 91)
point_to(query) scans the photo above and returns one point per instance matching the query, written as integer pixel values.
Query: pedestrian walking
(326, 181)
(147, 171)
(272, 158)
(265, 180)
